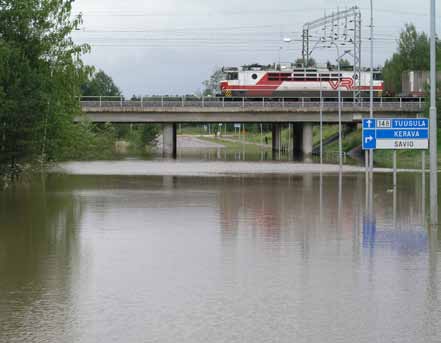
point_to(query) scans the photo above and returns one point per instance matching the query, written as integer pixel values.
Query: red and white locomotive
(278, 81)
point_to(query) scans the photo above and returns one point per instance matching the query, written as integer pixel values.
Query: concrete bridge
(302, 113)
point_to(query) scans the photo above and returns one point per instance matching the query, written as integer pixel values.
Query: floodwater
(231, 258)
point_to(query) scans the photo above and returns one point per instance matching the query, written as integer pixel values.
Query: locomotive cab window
(232, 76)
(378, 77)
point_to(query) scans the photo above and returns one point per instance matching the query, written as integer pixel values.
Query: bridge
(302, 113)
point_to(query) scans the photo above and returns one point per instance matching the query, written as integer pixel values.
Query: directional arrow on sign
(369, 122)
(368, 139)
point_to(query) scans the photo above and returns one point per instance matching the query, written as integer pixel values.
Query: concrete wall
(307, 140)
(297, 140)
(276, 137)
(169, 146)
(301, 139)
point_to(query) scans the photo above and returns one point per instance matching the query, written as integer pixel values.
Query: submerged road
(212, 168)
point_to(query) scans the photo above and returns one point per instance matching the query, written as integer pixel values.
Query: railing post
(121, 101)
(303, 102)
(223, 102)
(203, 103)
(419, 100)
(243, 102)
(401, 103)
(182, 102)
(283, 102)
(162, 101)
(142, 103)
(263, 102)
(381, 102)
(101, 102)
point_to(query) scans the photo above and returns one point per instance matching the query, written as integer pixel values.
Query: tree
(345, 64)
(413, 54)
(100, 84)
(40, 76)
(311, 62)
(212, 85)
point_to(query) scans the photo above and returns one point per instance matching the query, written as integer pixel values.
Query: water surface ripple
(288, 258)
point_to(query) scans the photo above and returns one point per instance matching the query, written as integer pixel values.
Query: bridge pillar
(276, 136)
(297, 141)
(169, 140)
(302, 140)
(307, 140)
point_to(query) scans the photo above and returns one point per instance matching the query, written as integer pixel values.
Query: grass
(349, 142)
(405, 158)
(328, 131)
(383, 158)
(237, 145)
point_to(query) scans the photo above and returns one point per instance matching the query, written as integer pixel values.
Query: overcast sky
(171, 46)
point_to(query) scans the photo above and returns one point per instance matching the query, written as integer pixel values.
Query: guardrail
(328, 103)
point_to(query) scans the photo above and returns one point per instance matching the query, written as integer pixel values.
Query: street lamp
(433, 119)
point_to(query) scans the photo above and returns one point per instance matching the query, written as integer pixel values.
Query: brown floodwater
(233, 258)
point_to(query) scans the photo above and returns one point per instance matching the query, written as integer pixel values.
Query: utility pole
(433, 119)
(340, 144)
(321, 122)
(351, 15)
(371, 87)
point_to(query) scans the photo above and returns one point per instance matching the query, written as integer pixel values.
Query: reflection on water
(224, 259)
(253, 153)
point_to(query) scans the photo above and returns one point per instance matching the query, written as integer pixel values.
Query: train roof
(291, 68)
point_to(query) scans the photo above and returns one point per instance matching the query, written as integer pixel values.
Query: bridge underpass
(302, 114)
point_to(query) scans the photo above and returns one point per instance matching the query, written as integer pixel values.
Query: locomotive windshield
(232, 76)
(378, 76)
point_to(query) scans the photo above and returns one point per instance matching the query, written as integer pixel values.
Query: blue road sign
(410, 123)
(400, 134)
(369, 123)
(369, 140)
(405, 133)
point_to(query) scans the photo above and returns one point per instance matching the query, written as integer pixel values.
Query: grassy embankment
(254, 140)
(383, 158)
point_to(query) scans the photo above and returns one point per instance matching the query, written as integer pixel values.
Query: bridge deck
(216, 110)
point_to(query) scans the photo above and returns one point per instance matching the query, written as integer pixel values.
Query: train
(293, 81)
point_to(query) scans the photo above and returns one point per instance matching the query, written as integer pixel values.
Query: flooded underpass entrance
(87, 258)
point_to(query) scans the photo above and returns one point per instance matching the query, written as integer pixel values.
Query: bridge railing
(328, 103)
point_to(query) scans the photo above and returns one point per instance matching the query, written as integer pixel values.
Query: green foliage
(100, 84)
(413, 54)
(149, 133)
(40, 75)
(311, 62)
(211, 86)
(86, 141)
(344, 63)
